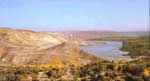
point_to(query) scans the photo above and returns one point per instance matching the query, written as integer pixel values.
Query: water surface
(110, 50)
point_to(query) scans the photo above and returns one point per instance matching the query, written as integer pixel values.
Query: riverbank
(109, 50)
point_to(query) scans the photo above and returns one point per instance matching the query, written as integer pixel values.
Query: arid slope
(21, 47)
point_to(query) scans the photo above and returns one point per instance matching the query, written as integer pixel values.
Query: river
(110, 50)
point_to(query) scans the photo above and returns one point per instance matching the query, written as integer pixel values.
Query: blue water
(110, 50)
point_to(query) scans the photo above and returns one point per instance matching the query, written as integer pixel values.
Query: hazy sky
(120, 15)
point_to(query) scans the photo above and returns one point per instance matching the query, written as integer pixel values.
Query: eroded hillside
(28, 47)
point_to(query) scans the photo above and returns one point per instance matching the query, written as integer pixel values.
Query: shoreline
(124, 56)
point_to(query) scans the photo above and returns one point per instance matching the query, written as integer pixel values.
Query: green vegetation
(137, 47)
(17, 73)
(30, 73)
(94, 71)
(112, 72)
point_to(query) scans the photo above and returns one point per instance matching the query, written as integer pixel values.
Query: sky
(60, 15)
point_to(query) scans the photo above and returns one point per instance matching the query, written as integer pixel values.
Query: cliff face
(28, 47)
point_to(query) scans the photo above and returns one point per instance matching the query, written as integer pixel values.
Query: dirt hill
(22, 47)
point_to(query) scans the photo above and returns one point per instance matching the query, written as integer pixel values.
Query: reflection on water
(110, 50)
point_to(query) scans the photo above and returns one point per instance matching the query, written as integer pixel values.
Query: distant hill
(89, 34)
(101, 34)
(21, 47)
(135, 33)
